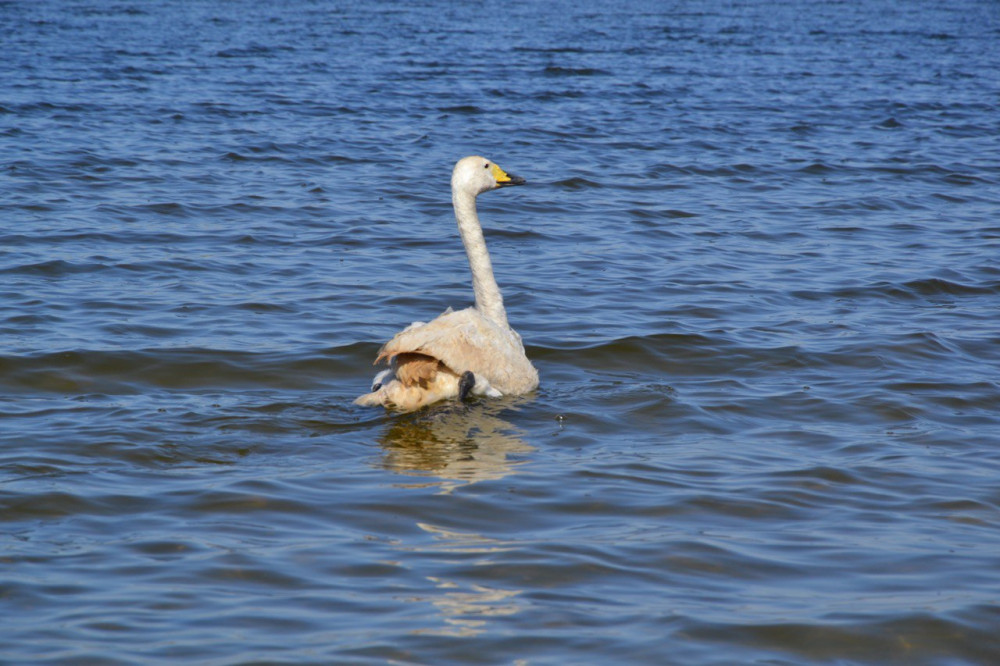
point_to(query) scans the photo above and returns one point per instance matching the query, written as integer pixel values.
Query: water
(755, 264)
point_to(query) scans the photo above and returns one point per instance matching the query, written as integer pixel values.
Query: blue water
(756, 265)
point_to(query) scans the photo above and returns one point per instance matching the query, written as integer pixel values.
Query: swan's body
(465, 351)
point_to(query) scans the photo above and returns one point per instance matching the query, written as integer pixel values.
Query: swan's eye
(486, 166)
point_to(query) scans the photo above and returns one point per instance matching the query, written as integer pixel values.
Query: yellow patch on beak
(499, 174)
(504, 178)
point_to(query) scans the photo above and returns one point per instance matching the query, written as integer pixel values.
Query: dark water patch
(127, 372)
(550, 49)
(266, 307)
(254, 51)
(271, 152)
(937, 286)
(54, 505)
(169, 266)
(950, 198)
(856, 639)
(653, 215)
(166, 209)
(577, 183)
(914, 290)
(958, 397)
(556, 71)
(54, 268)
(524, 236)
(965, 180)
(724, 171)
(464, 109)
(818, 169)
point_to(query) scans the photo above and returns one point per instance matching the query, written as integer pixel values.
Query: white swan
(468, 351)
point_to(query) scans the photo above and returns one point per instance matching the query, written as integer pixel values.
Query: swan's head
(477, 175)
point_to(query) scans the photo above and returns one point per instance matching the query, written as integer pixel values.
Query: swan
(462, 352)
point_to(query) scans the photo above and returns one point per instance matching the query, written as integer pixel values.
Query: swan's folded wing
(462, 340)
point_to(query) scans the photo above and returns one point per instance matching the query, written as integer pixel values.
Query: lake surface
(757, 264)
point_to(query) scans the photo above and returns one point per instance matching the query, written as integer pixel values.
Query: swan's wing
(466, 341)
(461, 340)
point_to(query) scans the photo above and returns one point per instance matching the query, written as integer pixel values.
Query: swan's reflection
(459, 444)
(466, 609)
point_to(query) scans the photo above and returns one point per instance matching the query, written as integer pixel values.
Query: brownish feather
(417, 369)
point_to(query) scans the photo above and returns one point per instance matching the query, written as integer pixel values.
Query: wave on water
(125, 372)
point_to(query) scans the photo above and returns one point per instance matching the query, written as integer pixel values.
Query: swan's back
(466, 341)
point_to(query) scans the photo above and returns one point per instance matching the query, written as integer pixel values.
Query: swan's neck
(489, 302)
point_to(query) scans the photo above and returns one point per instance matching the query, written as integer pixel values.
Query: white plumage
(471, 350)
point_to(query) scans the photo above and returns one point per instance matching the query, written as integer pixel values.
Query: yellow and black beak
(503, 178)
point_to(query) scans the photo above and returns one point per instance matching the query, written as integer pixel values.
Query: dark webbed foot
(465, 384)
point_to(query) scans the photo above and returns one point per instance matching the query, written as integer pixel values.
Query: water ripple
(756, 272)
